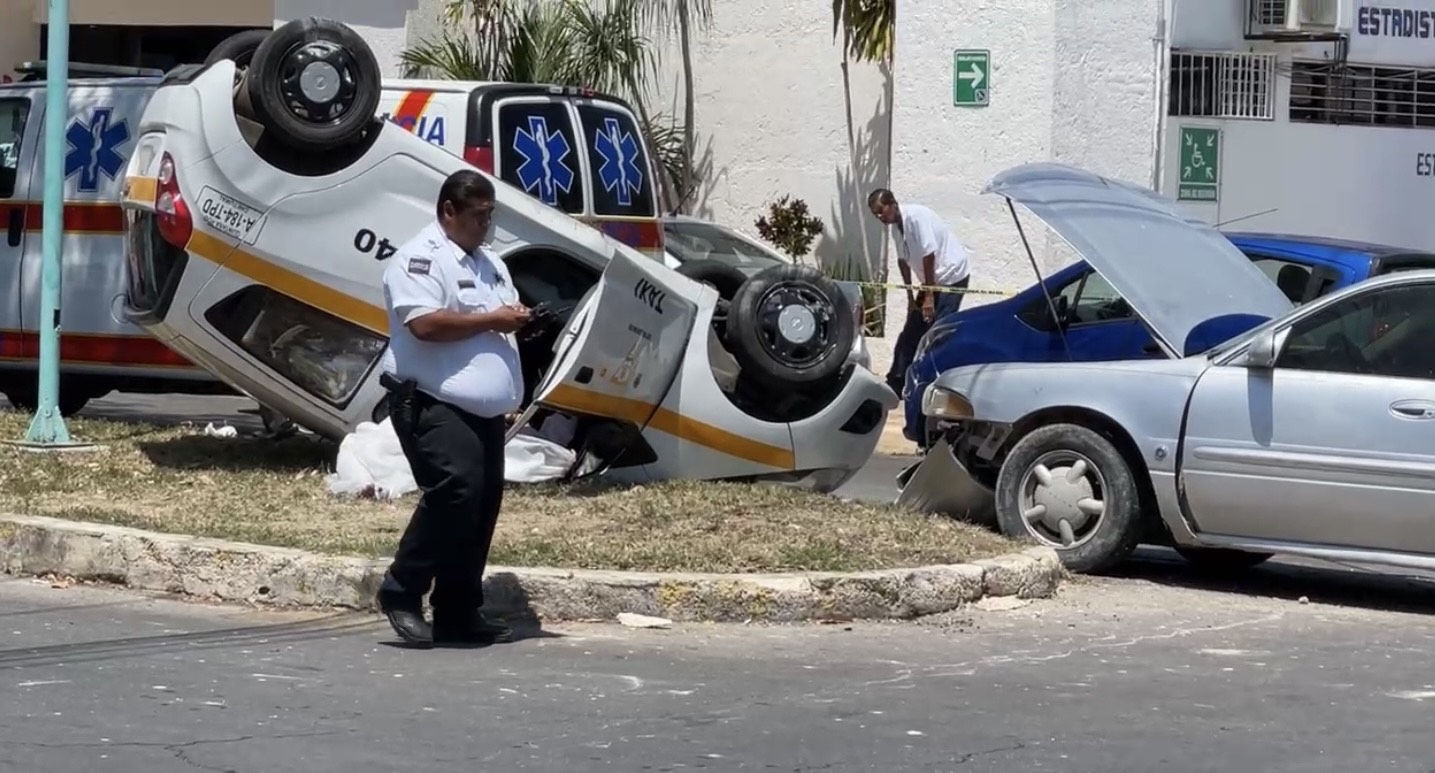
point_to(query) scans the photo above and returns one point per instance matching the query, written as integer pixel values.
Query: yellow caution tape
(933, 288)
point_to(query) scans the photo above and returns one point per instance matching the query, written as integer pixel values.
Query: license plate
(229, 215)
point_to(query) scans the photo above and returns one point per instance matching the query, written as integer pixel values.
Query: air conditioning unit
(1318, 15)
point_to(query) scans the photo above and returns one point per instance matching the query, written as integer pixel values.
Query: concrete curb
(284, 577)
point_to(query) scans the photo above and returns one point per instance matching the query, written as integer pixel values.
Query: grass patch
(176, 479)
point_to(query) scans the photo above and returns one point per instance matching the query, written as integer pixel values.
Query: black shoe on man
(407, 618)
(472, 629)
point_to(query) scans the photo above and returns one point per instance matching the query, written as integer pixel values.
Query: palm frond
(868, 28)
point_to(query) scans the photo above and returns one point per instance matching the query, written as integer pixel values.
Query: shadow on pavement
(1291, 579)
(113, 649)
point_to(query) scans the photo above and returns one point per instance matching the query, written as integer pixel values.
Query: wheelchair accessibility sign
(1200, 165)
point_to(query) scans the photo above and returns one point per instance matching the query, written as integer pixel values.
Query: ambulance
(572, 148)
(98, 351)
(579, 151)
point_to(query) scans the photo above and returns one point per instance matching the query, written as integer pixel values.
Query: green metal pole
(48, 426)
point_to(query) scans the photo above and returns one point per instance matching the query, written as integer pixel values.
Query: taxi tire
(239, 47)
(267, 71)
(745, 334)
(727, 280)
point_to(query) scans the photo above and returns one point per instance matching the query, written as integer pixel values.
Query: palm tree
(869, 27)
(679, 16)
(563, 42)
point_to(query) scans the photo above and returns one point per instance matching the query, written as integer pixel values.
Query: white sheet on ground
(371, 462)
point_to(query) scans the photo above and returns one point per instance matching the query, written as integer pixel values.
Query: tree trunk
(687, 184)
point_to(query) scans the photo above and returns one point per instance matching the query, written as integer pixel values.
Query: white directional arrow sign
(976, 75)
(971, 77)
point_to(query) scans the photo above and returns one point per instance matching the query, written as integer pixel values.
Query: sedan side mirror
(1262, 351)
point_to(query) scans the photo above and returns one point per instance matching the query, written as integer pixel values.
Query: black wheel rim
(317, 81)
(795, 324)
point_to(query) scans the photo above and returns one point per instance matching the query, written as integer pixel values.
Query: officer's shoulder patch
(420, 265)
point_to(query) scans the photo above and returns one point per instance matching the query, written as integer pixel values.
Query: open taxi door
(623, 346)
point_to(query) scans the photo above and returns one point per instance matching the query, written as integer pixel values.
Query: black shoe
(475, 628)
(407, 620)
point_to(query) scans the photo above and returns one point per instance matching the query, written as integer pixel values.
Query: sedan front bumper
(939, 483)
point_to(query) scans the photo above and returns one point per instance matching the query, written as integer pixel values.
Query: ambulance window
(618, 156)
(537, 152)
(13, 114)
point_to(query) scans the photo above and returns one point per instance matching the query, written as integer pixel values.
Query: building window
(1324, 92)
(1269, 13)
(1223, 85)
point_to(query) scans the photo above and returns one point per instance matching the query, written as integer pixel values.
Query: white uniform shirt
(924, 233)
(479, 374)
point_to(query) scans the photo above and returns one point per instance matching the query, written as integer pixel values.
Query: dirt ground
(273, 492)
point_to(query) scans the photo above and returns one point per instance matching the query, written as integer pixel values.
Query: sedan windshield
(700, 241)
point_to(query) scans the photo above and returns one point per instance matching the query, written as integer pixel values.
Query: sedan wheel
(1069, 488)
(1061, 498)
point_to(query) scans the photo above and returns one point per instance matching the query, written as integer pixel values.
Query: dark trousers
(916, 327)
(457, 461)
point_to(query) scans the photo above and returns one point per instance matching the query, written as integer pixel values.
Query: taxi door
(624, 344)
(20, 112)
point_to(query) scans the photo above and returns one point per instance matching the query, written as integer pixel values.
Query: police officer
(452, 370)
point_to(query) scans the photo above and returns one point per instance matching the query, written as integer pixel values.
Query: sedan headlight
(939, 403)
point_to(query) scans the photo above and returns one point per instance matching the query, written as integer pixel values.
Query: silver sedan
(1267, 429)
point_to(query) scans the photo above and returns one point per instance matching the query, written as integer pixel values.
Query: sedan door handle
(1413, 409)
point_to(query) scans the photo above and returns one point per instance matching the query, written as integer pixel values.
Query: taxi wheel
(239, 47)
(314, 84)
(791, 325)
(722, 277)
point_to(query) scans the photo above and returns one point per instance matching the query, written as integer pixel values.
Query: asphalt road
(1116, 675)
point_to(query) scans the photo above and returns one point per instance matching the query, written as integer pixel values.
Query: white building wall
(1072, 81)
(1358, 182)
(383, 23)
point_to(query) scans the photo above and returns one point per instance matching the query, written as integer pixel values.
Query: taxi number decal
(367, 241)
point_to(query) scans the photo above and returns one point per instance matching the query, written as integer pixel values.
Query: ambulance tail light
(479, 157)
(171, 211)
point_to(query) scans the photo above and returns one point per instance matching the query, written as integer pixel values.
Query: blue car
(1095, 323)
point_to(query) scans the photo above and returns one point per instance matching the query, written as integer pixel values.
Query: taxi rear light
(172, 216)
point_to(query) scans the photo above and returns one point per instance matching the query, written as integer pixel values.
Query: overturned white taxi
(262, 203)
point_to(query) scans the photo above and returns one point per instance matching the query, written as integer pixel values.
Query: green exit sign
(971, 77)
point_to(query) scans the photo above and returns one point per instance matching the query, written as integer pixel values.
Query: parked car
(1304, 430)
(727, 258)
(1097, 324)
(262, 208)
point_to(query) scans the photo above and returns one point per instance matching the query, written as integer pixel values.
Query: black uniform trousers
(457, 462)
(916, 327)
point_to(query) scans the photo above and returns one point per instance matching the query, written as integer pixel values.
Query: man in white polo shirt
(923, 239)
(452, 370)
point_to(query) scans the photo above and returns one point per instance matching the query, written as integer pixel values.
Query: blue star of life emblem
(543, 167)
(619, 173)
(94, 148)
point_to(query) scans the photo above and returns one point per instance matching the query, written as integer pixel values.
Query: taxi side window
(14, 113)
(539, 152)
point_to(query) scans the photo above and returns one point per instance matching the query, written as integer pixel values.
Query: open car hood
(1176, 271)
